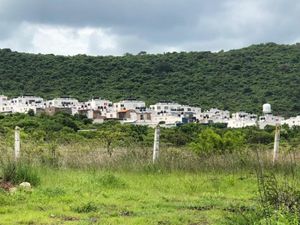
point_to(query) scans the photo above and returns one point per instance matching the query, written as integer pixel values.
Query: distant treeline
(236, 80)
(203, 139)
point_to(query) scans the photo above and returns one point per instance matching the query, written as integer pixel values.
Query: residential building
(23, 104)
(129, 104)
(292, 122)
(242, 119)
(214, 115)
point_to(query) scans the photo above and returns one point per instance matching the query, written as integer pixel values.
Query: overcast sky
(114, 27)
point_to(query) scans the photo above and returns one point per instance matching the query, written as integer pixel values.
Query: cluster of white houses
(135, 112)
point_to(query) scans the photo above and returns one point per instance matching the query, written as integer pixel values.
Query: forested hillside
(235, 80)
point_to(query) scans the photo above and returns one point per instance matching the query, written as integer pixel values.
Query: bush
(208, 142)
(279, 204)
(19, 172)
(280, 197)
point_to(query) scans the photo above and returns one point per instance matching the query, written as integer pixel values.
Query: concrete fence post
(17, 143)
(156, 144)
(276, 143)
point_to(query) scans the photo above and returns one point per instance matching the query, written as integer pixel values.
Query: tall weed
(17, 172)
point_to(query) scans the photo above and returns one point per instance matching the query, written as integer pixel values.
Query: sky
(116, 27)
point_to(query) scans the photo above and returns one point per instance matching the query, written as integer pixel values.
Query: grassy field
(81, 186)
(101, 197)
(204, 175)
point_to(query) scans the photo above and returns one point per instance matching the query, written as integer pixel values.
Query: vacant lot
(101, 197)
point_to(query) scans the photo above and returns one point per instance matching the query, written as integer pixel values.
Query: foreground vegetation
(84, 173)
(101, 197)
(236, 80)
(231, 189)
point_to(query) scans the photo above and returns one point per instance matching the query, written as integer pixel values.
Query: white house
(4, 105)
(269, 119)
(165, 107)
(3, 99)
(64, 102)
(167, 119)
(96, 104)
(23, 104)
(214, 116)
(129, 104)
(242, 119)
(291, 122)
(172, 113)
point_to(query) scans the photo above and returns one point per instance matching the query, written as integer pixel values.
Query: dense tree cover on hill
(235, 80)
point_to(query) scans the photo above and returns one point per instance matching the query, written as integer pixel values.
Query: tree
(208, 142)
(233, 140)
(110, 137)
(230, 77)
(142, 53)
(30, 112)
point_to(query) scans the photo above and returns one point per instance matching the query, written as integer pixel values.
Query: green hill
(235, 80)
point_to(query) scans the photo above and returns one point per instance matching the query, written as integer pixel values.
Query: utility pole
(276, 143)
(156, 144)
(17, 143)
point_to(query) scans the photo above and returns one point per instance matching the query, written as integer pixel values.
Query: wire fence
(94, 153)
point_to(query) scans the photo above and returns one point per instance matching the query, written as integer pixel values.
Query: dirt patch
(6, 185)
(238, 209)
(126, 213)
(69, 218)
(201, 208)
(200, 223)
(64, 217)
(165, 222)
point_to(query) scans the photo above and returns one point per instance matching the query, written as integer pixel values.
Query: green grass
(101, 197)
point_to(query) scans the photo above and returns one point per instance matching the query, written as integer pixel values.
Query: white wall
(128, 104)
(291, 122)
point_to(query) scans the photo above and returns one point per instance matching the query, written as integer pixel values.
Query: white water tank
(267, 108)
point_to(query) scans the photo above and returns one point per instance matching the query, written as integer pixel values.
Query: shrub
(208, 142)
(279, 204)
(281, 197)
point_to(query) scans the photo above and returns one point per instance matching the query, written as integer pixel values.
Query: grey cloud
(154, 24)
(140, 17)
(101, 12)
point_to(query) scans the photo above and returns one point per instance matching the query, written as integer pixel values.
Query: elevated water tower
(267, 109)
